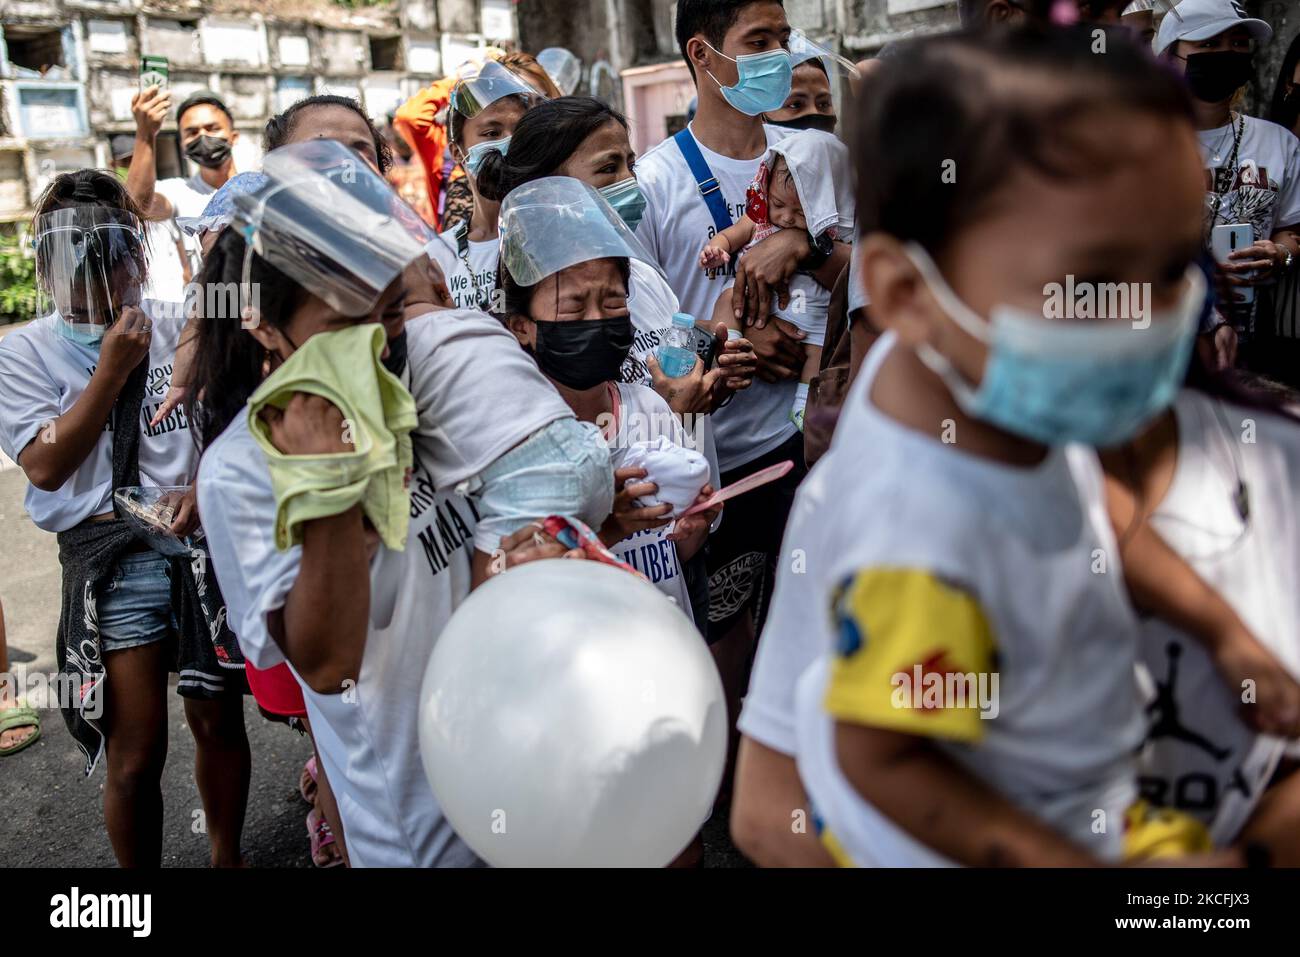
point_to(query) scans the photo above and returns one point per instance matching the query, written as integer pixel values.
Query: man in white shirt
(737, 53)
(170, 265)
(207, 135)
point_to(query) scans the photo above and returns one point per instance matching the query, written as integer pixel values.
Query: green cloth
(343, 367)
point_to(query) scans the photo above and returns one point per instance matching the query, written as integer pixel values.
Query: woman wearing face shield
(581, 137)
(482, 114)
(78, 387)
(355, 619)
(565, 271)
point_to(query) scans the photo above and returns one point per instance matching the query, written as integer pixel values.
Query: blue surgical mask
(762, 81)
(86, 334)
(475, 154)
(627, 199)
(1092, 381)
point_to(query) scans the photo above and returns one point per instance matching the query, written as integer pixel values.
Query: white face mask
(1055, 381)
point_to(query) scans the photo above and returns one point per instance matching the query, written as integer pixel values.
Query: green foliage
(17, 281)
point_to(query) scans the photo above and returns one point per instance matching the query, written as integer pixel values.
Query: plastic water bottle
(677, 353)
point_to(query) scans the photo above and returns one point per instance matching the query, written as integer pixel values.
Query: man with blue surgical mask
(694, 185)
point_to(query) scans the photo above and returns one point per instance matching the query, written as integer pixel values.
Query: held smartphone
(706, 347)
(153, 71)
(1228, 239)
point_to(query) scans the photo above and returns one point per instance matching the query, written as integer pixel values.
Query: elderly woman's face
(590, 290)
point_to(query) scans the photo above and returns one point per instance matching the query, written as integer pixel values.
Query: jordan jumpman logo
(1165, 707)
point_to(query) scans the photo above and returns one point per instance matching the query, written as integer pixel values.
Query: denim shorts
(561, 469)
(135, 604)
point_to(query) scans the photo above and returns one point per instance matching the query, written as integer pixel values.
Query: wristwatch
(819, 250)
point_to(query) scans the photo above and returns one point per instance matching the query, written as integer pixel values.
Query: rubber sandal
(20, 717)
(318, 830)
(307, 781)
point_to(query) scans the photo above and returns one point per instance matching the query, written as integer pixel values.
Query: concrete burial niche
(343, 51)
(233, 42)
(177, 40)
(111, 38)
(248, 97)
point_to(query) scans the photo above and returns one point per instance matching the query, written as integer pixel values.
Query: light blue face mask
(86, 334)
(627, 199)
(762, 81)
(1094, 381)
(475, 154)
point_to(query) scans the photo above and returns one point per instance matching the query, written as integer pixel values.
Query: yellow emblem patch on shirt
(913, 654)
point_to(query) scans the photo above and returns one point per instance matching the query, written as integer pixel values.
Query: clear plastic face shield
(564, 69)
(803, 49)
(477, 91)
(90, 265)
(329, 221)
(556, 222)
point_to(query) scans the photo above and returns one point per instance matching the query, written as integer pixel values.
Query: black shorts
(744, 552)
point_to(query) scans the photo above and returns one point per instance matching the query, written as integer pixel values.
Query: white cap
(1202, 19)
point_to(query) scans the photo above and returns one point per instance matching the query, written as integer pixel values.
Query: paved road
(50, 816)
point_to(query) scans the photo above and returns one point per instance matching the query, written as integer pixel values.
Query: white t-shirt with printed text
(478, 395)
(1265, 189)
(367, 736)
(645, 416)
(43, 373)
(1021, 545)
(1200, 757)
(472, 272)
(676, 226)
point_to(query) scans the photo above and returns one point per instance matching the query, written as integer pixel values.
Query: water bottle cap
(683, 320)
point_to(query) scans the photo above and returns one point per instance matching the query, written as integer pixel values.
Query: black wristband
(819, 250)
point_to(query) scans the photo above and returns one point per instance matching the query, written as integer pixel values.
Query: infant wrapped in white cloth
(679, 472)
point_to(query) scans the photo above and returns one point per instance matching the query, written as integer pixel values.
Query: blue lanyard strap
(705, 181)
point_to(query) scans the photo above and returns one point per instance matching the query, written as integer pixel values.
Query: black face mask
(395, 361)
(583, 353)
(1213, 77)
(208, 151)
(809, 121)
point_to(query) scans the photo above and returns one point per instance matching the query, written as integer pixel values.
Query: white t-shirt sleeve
(444, 255)
(29, 398)
(237, 508)
(477, 392)
(795, 634)
(176, 191)
(652, 301)
(185, 199)
(656, 207)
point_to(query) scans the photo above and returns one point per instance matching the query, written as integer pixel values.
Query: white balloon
(572, 716)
